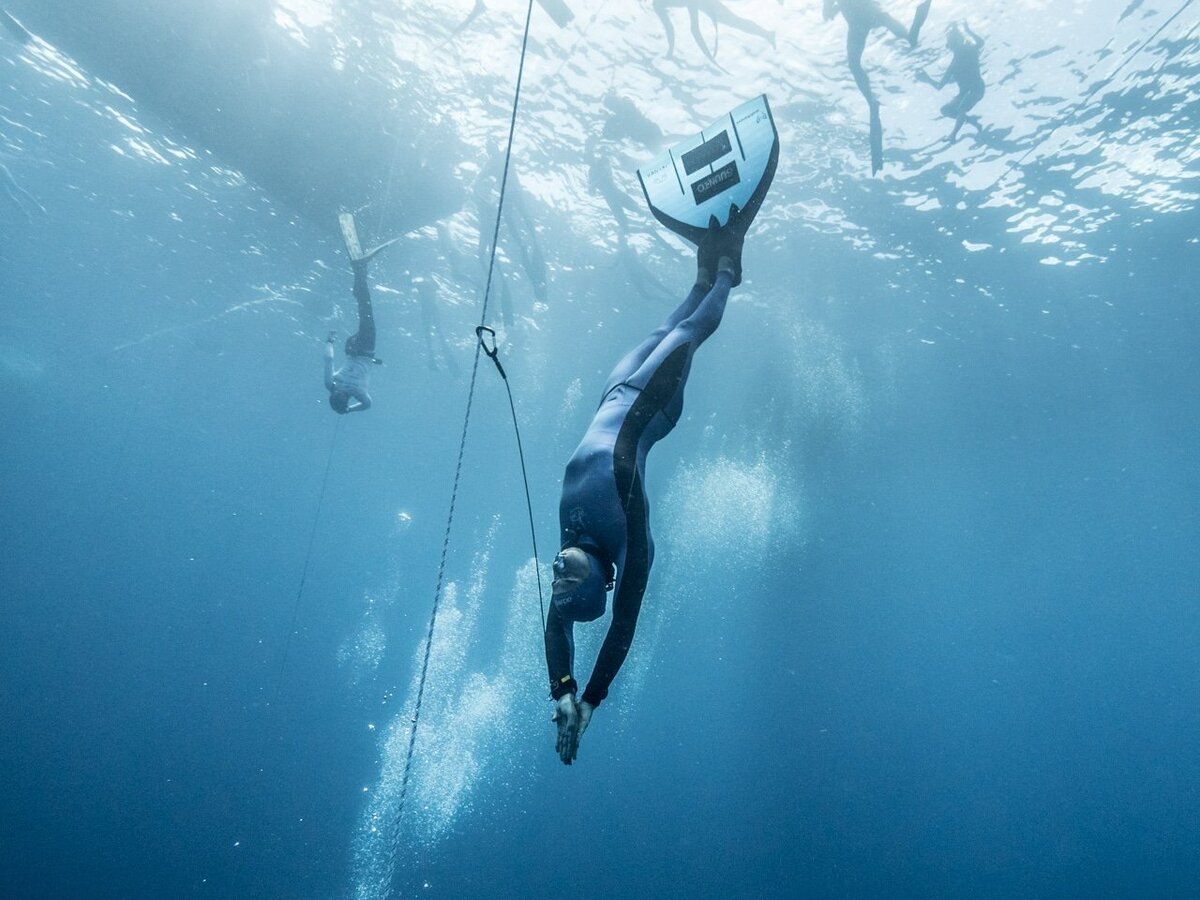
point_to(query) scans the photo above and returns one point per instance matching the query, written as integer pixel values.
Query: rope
(1087, 96)
(437, 594)
(494, 354)
(312, 537)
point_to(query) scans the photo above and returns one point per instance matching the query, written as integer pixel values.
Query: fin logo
(720, 180)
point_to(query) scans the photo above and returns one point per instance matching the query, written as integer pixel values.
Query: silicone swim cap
(580, 583)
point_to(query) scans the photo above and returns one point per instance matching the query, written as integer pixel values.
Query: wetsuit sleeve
(627, 604)
(558, 655)
(328, 366)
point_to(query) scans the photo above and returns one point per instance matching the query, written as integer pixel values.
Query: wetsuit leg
(661, 10)
(362, 342)
(856, 40)
(633, 360)
(694, 17)
(674, 352)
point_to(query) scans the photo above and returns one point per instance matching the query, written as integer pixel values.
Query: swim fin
(370, 254)
(723, 172)
(350, 236)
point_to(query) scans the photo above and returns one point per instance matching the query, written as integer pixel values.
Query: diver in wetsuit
(348, 385)
(603, 514)
(861, 17)
(965, 47)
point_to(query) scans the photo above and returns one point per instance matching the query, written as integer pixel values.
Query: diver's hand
(566, 717)
(332, 337)
(585, 716)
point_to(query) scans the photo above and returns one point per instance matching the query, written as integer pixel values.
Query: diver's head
(954, 36)
(340, 401)
(580, 587)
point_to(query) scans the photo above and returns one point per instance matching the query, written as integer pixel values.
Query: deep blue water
(923, 621)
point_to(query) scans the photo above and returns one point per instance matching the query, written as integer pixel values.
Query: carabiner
(482, 332)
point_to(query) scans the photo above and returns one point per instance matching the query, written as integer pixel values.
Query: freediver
(965, 47)
(348, 385)
(717, 12)
(603, 512)
(861, 17)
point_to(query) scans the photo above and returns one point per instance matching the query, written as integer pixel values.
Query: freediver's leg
(694, 19)
(919, 17)
(674, 352)
(856, 40)
(635, 358)
(661, 10)
(693, 322)
(718, 12)
(362, 342)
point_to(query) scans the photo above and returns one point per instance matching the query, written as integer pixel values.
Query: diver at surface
(604, 517)
(861, 17)
(965, 47)
(717, 12)
(348, 385)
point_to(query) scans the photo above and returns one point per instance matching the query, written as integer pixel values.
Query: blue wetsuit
(603, 509)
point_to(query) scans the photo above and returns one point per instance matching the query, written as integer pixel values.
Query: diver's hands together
(572, 719)
(332, 337)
